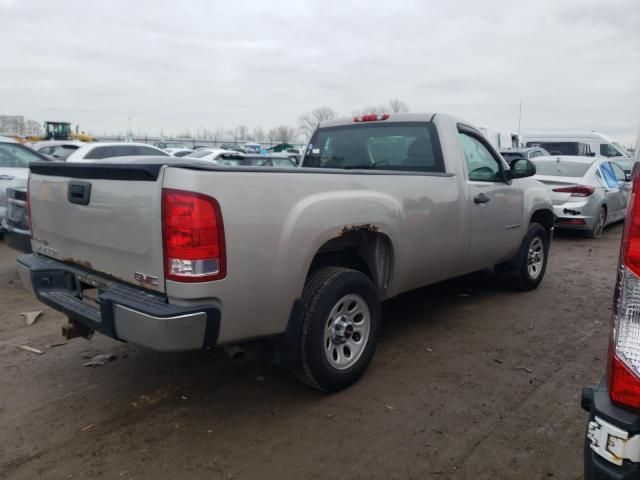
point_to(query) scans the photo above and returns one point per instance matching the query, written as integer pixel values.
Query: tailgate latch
(79, 192)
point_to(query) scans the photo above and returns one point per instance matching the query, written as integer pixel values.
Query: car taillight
(624, 350)
(371, 117)
(193, 235)
(577, 190)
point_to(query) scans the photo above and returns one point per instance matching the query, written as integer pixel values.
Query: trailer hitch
(75, 329)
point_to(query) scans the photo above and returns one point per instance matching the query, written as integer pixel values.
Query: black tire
(322, 292)
(598, 226)
(521, 277)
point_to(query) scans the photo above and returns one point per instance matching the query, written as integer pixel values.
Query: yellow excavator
(60, 131)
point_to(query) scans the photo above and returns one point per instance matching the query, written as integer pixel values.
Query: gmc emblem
(146, 279)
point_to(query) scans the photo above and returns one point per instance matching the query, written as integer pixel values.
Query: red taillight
(571, 221)
(371, 117)
(624, 349)
(193, 234)
(577, 190)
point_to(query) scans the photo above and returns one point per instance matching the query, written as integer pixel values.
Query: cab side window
(481, 164)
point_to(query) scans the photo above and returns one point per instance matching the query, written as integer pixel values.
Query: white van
(599, 144)
(500, 139)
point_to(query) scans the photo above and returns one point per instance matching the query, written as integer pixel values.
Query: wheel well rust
(360, 247)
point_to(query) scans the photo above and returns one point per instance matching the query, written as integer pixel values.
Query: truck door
(496, 204)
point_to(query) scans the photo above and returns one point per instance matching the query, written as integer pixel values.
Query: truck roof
(393, 117)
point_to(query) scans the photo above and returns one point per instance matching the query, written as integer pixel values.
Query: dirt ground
(470, 381)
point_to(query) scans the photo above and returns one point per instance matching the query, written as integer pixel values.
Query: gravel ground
(470, 381)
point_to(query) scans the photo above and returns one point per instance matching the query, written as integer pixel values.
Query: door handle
(481, 198)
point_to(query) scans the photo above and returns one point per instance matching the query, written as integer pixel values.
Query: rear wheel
(340, 325)
(598, 226)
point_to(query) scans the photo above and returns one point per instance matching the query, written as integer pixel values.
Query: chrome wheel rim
(599, 223)
(346, 331)
(535, 258)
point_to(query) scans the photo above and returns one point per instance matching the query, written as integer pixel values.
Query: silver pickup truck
(176, 255)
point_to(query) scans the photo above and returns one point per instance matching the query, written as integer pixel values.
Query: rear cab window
(400, 146)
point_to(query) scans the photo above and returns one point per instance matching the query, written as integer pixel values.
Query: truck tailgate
(105, 219)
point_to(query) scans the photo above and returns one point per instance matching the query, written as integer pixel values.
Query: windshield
(392, 146)
(561, 168)
(623, 151)
(625, 163)
(15, 155)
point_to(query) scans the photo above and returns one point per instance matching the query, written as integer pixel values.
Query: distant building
(11, 124)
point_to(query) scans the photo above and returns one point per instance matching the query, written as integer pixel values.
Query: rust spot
(369, 227)
(82, 263)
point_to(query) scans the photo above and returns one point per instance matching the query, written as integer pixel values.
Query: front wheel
(340, 325)
(530, 264)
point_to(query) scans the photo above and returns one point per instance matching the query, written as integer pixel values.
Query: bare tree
(258, 134)
(282, 134)
(309, 121)
(372, 109)
(31, 127)
(398, 106)
(241, 133)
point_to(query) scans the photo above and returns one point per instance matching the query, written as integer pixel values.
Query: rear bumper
(564, 213)
(118, 310)
(601, 411)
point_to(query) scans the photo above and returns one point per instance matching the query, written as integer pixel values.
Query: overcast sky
(207, 64)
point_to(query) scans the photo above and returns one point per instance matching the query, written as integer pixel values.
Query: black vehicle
(612, 444)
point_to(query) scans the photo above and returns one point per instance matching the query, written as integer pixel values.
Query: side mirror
(522, 168)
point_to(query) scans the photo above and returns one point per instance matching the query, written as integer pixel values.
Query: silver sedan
(587, 193)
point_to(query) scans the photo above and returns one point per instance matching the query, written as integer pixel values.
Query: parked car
(612, 443)
(209, 154)
(14, 167)
(179, 152)
(101, 150)
(587, 193)
(192, 255)
(528, 153)
(255, 160)
(170, 144)
(233, 147)
(15, 224)
(57, 149)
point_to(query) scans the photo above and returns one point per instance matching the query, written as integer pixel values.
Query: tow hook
(74, 329)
